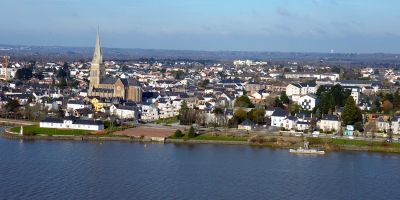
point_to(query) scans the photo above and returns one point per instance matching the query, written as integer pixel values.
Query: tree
(183, 111)
(23, 74)
(287, 70)
(269, 100)
(320, 90)
(204, 83)
(358, 126)
(278, 103)
(243, 101)
(387, 105)
(258, 114)
(377, 103)
(349, 114)
(376, 71)
(178, 133)
(12, 105)
(241, 115)
(284, 98)
(318, 113)
(60, 113)
(191, 133)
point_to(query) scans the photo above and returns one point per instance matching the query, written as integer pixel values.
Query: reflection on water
(44, 169)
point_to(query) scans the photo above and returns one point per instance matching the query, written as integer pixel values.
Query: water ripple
(44, 169)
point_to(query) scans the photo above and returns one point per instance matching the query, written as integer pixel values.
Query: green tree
(284, 98)
(349, 114)
(377, 103)
(321, 90)
(191, 133)
(318, 113)
(241, 115)
(60, 113)
(183, 113)
(23, 74)
(243, 101)
(178, 133)
(287, 70)
(258, 114)
(278, 103)
(12, 105)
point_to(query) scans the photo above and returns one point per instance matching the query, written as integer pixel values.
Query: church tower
(96, 68)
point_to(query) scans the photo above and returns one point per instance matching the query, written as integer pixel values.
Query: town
(254, 96)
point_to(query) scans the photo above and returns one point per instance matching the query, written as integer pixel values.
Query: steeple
(97, 56)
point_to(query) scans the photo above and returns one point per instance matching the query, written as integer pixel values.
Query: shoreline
(7, 135)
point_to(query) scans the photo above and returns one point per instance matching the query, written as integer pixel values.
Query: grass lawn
(51, 131)
(362, 142)
(220, 138)
(167, 120)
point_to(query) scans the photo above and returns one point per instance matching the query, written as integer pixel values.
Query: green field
(50, 131)
(363, 142)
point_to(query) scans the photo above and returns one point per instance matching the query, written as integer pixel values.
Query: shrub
(260, 140)
(141, 137)
(315, 140)
(321, 131)
(29, 133)
(191, 133)
(253, 140)
(384, 143)
(178, 133)
(273, 139)
(282, 128)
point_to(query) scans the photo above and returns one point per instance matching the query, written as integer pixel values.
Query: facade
(150, 112)
(71, 123)
(382, 125)
(102, 86)
(301, 88)
(278, 116)
(330, 122)
(246, 125)
(308, 101)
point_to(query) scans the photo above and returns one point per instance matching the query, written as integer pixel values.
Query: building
(150, 112)
(301, 88)
(102, 86)
(278, 116)
(330, 123)
(246, 125)
(308, 101)
(355, 92)
(72, 123)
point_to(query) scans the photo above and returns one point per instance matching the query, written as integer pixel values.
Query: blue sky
(346, 26)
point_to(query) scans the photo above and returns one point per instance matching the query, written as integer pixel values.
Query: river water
(44, 169)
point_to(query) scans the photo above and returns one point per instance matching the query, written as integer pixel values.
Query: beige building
(102, 86)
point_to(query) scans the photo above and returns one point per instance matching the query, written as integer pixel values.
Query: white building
(127, 112)
(72, 123)
(301, 89)
(355, 92)
(150, 112)
(330, 122)
(78, 105)
(308, 101)
(277, 118)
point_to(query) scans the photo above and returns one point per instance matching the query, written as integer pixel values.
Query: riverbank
(277, 144)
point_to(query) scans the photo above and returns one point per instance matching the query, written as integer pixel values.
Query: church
(102, 86)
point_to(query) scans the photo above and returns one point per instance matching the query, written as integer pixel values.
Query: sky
(345, 26)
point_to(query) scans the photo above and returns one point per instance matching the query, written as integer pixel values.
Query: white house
(78, 105)
(308, 101)
(330, 122)
(278, 116)
(270, 110)
(150, 112)
(289, 122)
(301, 88)
(127, 112)
(246, 125)
(72, 123)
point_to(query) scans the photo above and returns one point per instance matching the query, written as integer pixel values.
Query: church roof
(97, 55)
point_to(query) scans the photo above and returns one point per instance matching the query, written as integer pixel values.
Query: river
(45, 169)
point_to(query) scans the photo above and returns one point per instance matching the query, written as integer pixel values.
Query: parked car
(297, 134)
(351, 137)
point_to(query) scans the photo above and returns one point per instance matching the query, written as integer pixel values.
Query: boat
(306, 149)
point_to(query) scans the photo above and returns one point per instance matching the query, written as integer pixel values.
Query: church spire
(97, 56)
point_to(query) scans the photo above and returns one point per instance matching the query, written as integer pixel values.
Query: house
(71, 122)
(308, 101)
(395, 125)
(271, 110)
(382, 124)
(73, 105)
(150, 112)
(365, 105)
(289, 122)
(330, 123)
(246, 125)
(301, 88)
(278, 116)
(127, 112)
